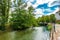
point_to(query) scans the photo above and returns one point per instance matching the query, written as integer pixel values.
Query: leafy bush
(49, 27)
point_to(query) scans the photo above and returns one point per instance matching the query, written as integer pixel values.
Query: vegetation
(58, 22)
(18, 18)
(4, 12)
(47, 19)
(13, 15)
(49, 27)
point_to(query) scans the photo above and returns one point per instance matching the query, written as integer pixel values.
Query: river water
(39, 33)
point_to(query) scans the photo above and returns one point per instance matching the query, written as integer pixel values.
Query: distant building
(57, 15)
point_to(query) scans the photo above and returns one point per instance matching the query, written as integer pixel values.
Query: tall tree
(4, 7)
(22, 18)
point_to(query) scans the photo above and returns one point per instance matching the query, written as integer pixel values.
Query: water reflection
(37, 34)
(41, 34)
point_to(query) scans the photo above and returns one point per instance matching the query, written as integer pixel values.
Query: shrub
(49, 27)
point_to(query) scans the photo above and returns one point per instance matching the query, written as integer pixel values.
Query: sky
(43, 7)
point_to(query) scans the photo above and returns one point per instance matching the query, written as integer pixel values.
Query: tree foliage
(50, 18)
(22, 18)
(4, 12)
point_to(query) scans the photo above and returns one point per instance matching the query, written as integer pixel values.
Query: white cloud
(44, 1)
(49, 10)
(28, 5)
(38, 2)
(35, 5)
(38, 16)
(40, 11)
(54, 11)
(54, 2)
(29, 0)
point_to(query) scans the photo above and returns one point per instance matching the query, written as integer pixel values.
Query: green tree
(4, 11)
(47, 19)
(22, 18)
(52, 18)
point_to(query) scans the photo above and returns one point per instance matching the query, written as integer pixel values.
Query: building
(57, 15)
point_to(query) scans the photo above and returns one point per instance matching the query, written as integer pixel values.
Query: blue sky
(45, 7)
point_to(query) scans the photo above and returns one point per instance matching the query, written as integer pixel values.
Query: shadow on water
(38, 34)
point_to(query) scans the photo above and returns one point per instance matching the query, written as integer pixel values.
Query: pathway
(57, 31)
(55, 35)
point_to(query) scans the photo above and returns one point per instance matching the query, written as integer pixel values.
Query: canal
(39, 33)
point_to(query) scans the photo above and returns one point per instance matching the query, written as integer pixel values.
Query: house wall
(57, 16)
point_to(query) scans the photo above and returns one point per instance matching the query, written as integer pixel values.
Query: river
(39, 33)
